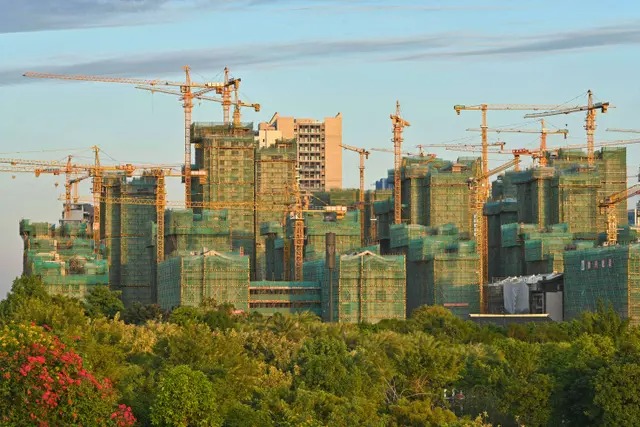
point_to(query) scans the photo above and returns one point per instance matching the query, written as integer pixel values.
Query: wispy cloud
(425, 47)
(23, 16)
(41, 15)
(588, 38)
(163, 63)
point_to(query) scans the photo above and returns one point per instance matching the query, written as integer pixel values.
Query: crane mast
(364, 154)
(479, 226)
(187, 105)
(398, 125)
(97, 191)
(609, 204)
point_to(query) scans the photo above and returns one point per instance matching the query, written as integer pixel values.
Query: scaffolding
(364, 287)
(137, 263)
(316, 225)
(228, 161)
(270, 297)
(442, 270)
(186, 232)
(63, 257)
(608, 275)
(192, 280)
(275, 177)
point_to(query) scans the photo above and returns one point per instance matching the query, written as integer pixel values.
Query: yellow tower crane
(479, 226)
(608, 204)
(187, 94)
(390, 150)
(398, 125)
(94, 171)
(590, 122)
(364, 154)
(500, 144)
(483, 108)
(225, 100)
(543, 137)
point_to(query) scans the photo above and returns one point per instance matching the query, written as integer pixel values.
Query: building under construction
(253, 238)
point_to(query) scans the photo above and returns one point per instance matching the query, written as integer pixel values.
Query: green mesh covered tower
(275, 173)
(186, 232)
(441, 270)
(608, 274)
(62, 257)
(364, 287)
(226, 156)
(127, 232)
(190, 280)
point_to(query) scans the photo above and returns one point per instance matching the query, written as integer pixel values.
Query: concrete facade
(319, 151)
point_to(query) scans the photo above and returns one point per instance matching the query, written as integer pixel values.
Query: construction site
(265, 226)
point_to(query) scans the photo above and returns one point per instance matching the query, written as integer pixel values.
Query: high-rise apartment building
(319, 151)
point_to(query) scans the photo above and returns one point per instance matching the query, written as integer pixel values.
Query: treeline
(64, 362)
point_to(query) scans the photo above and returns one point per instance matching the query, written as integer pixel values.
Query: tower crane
(94, 171)
(187, 93)
(298, 229)
(71, 180)
(398, 125)
(500, 144)
(364, 154)
(483, 108)
(609, 203)
(516, 153)
(622, 130)
(406, 153)
(590, 122)
(479, 225)
(225, 100)
(543, 137)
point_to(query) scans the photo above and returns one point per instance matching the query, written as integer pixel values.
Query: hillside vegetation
(64, 362)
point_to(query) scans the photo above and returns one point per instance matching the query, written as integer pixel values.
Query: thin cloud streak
(589, 38)
(45, 15)
(162, 63)
(417, 48)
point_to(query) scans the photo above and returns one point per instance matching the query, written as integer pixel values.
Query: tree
(102, 301)
(324, 364)
(23, 289)
(618, 394)
(42, 382)
(139, 314)
(604, 321)
(185, 398)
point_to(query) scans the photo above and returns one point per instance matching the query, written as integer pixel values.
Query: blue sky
(307, 58)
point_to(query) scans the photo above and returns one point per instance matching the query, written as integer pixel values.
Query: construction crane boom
(236, 103)
(398, 126)
(514, 107)
(125, 80)
(187, 97)
(483, 108)
(543, 137)
(590, 122)
(609, 203)
(389, 150)
(500, 144)
(364, 155)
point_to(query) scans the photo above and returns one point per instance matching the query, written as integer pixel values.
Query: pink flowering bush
(44, 383)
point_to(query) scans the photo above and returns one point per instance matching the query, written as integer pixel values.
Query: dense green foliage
(207, 366)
